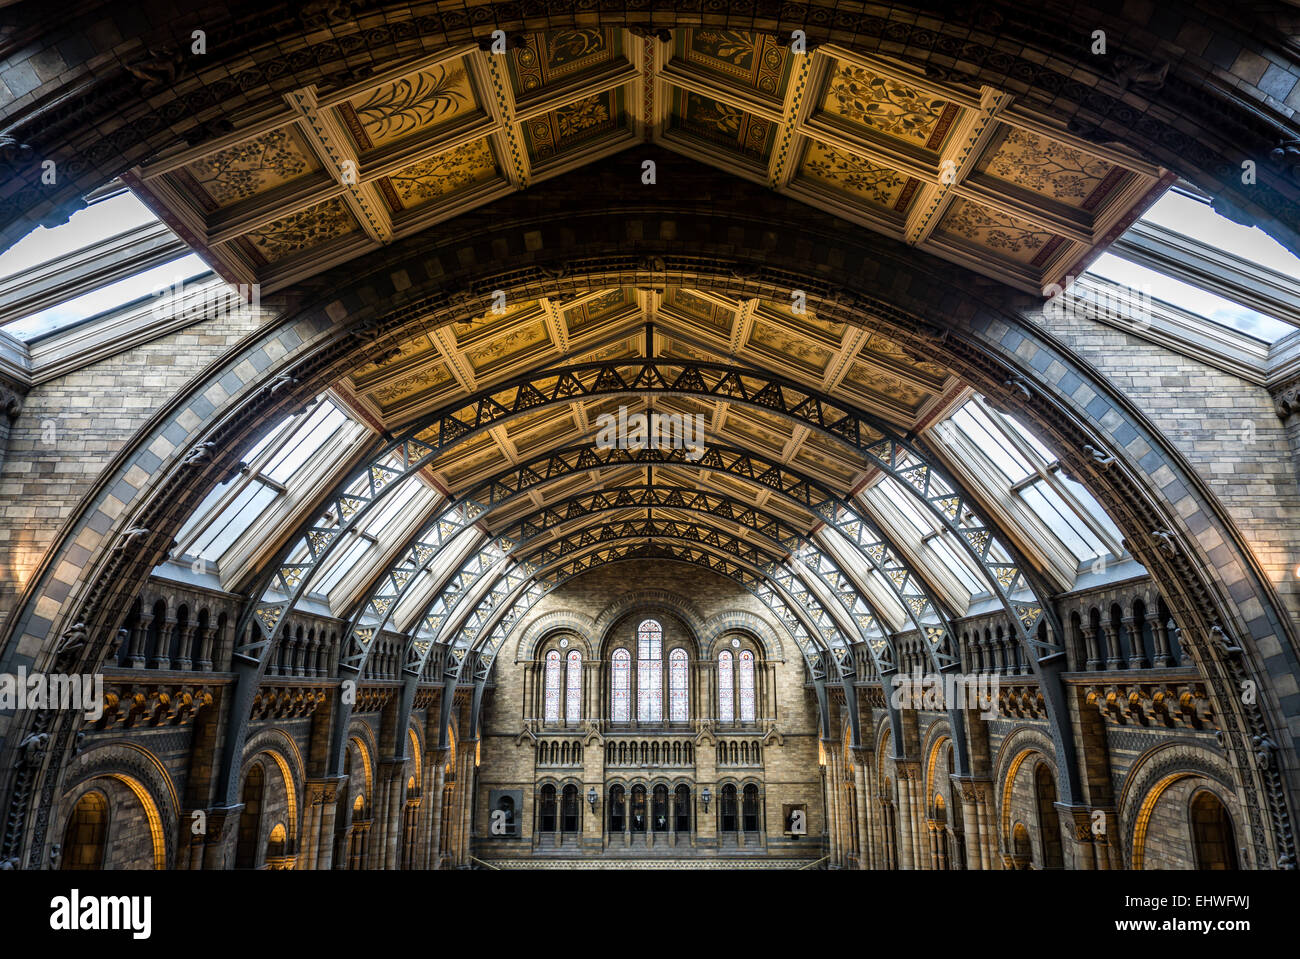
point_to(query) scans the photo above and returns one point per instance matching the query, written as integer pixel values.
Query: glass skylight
(1194, 218)
(1209, 305)
(100, 221)
(110, 297)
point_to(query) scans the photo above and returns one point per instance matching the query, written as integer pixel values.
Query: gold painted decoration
(249, 168)
(303, 230)
(1052, 169)
(859, 177)
(758, 61)
(723, 124)
(885, 105)
(440, 175)
(1003, 233)
(414, 104)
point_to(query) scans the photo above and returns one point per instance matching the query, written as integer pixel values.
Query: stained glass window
(726, 691)
(573, 689)
(746, 687)
(678, 696)
(620, 693)
(552, 697)
(649, 672)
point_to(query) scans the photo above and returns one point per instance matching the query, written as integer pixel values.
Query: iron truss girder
(583, 505)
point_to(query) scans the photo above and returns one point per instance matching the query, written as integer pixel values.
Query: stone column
(160, 659)
(396, 813)
(975, 858)
(223, 830)
(866, 853)
(1114, 657)
(1161, 638)
(906, 860)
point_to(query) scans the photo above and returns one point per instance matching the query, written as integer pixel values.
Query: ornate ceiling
(968, 174)
(437, 366)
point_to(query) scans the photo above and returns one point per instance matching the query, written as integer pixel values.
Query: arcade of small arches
(366, 592)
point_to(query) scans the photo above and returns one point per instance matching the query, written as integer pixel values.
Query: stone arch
(1022, 743)
(1197, 552)
(578, 625)
(1153, 773)
(649, 600)
(757, 627)
(140, 771)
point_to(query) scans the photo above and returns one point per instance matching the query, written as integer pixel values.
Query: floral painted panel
(885, 105)
(1004, 234)
(1052, 169)
(440, 175)
(549, 58)
(303, 230)
(859, 177)
(758, 61)
(573, 124)
(414, 104)
(722, 124)
(249, 168)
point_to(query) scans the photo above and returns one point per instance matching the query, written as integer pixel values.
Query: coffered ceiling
(967, 174)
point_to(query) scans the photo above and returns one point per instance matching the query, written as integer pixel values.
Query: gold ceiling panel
(546, 60)
(858, 178)
(756, 61)
(879, 386)
(521, 342)
(805, 321)
(392, 396)
(406, 352)
(435, 177)
(722, 125)
(1051, 169)
(786, 346)
(859, 98)
(419, 104)
(575, 125)
(883, 351)
(703, 310)
(249, 169)
(302, 231)
(973, 176)
(1003, 234)
(596, 310)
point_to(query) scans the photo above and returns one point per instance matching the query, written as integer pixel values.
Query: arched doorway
(85, 835)
(1214, 841)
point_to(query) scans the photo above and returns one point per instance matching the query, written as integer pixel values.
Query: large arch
(1192, 101)
(1174, 524)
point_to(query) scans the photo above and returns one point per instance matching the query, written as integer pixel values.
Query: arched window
(638, 808)
(679, 703)
(659, 812)
(727, 809)
(682, 808)
(726, 691)
(573, 689)
(552, 697)
(617, 805)
(569, 809)
(620, 686)
(746, 687)
(649, 672)
(547, 816)
(749, 808)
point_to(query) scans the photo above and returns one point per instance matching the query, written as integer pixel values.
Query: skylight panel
(114, 295)
(1203, 303)
(1062, 521)
(1194, 218)
(230, 524)
(988, 439)
(99, 221)
(324, 422)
